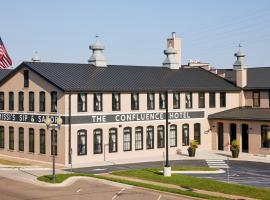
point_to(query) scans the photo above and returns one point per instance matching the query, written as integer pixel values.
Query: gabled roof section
(4, 73)
(72, 77)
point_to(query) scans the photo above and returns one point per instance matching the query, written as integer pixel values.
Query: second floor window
(42, 102)
(31, 101)
(21, 101)
(201, 100)
(53, 101)
(176, 100)
(150, 101)
(2, 101)
(11, 101)
(116, 101)
(26, 78)
(212, 99)
(162, 100)
(82, 102)
(135, 101)
(97, 102)
(223, 99)
(256, 99)
(189, 100)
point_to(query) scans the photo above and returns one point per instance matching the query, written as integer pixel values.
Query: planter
(235, 153)
(191, 152)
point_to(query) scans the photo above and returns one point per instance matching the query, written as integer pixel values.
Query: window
(185, 135)
(135, 101)
(189, 100)
(11, 101)
(127, 139)
(265, 131)
(112, 140)
(54, 142)
(212, 99)
(2, 137)
(42, 104)
(97, 141)
(97, 102)
(11, 138)
(160, 136)
(197, 132)
(31, 140)
(150, 137)
(116, 101)
(82, 142)
(82, 102)
(26, 78)
(150, 101)
(42, 141)
(173, 136)
(21, 101)
(21, 139)
(53, 101)
(31, 101)
(223, 99)
(2, 101)
(201, 100)
(256, 99)
(176, 100)
(162, 100)
(138, 138)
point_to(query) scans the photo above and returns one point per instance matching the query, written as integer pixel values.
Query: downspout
(69, 130)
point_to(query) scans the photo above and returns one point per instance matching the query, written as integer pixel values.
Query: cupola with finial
(239, 63)
(97, 58)
(172, 53)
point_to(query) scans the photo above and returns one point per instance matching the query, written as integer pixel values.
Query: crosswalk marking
(216, 163)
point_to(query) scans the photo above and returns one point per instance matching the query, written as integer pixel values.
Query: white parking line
(117, 194)
(159, 197)
(79, 190)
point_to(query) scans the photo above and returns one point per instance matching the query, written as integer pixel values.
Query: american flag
(5, 60)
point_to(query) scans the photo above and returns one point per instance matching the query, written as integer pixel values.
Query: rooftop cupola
(97, 58)
(170, 60)
(239, 63)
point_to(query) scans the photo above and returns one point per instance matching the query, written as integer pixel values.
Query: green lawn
(197, 183)
(182, 168)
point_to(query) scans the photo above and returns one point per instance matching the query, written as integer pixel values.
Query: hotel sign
(108, 118)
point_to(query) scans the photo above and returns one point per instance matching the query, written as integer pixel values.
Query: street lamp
(49, 125)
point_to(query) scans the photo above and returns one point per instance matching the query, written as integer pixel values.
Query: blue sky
(134, 32)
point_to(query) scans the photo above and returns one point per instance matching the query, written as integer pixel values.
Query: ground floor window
(160, 136)
(150, 137)
(197, 132)
(54, 142)
(173, 136)
(113, 140)
(82, 138)
(97, 141)
(185, 135)
(11, 138)
(21, 139)
(127, 139)
(2, 137)
(265, 143)
(31, 140)
(42, 141)
(138, 138)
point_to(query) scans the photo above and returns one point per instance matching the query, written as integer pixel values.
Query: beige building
(111, 112)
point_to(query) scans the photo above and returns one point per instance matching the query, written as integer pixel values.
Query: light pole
(49, 125)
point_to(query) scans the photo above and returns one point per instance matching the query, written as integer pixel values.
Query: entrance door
(220, 136)
(232, 132)
(245, 138)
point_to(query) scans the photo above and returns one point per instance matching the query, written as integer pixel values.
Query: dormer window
(26, 78)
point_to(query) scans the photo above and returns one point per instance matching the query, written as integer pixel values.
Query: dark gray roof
(243, 113)
(257, 78)
(86, 77)
(4, 73)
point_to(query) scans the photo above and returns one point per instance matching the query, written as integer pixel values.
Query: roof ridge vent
(97, 58)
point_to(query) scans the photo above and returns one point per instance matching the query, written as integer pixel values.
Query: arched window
(149, 137)
(2, 137)
(112, 140)
(11, 101)
(197, 132)
(31, 140)
(98, 141)
(11, 138)
(160, 136)
(53, 101)
(54, 142)
(42, 141)
(173, 136)
(26, 78)
(2, 101)
(31, 101)
(21, 101)
(82, 142)
(139, 138)
(265, 143)
(42, 101)
(185, 135)
(127, 139)
(21, 139)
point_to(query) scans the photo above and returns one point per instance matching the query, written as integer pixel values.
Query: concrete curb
(220, 171)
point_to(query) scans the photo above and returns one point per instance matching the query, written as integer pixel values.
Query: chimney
(36, 57)
(175, 43)
(240, 67)
(97, 58)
